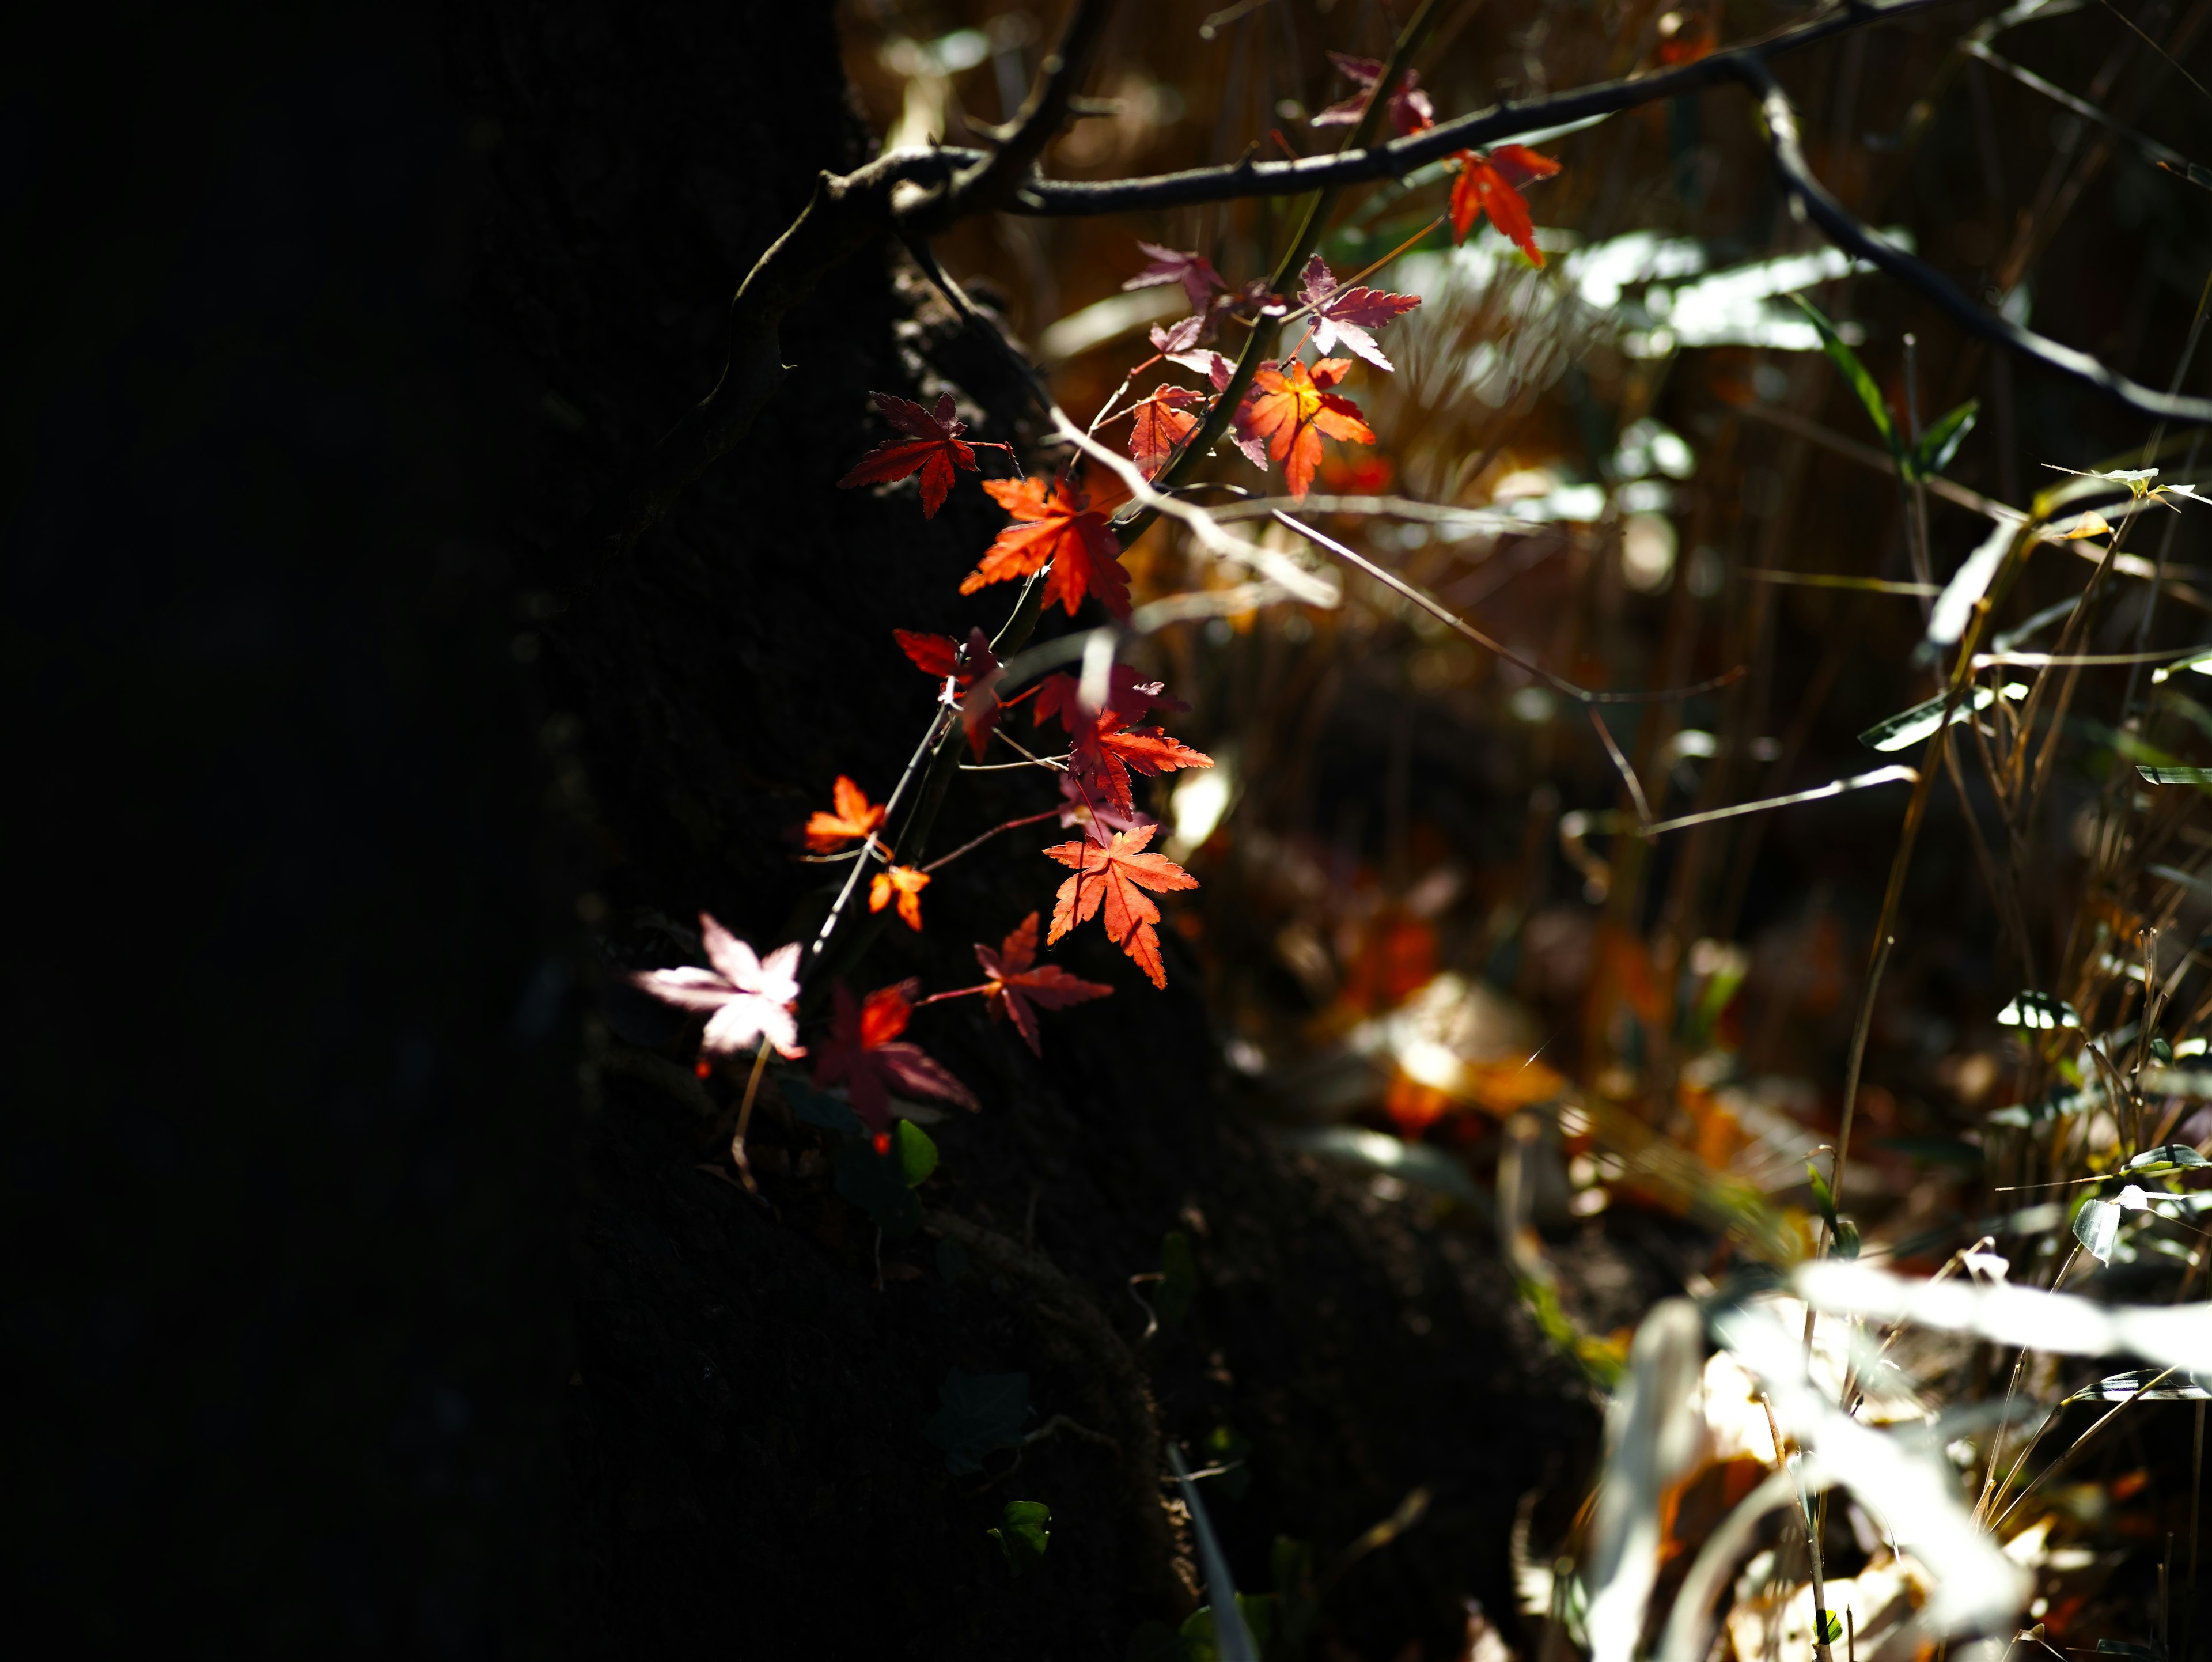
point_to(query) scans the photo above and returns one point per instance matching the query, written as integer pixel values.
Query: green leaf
(1847, 1240)
(2170, 1157)
(1840, 354)
(1908, 727)
(1022, 1534)
(915, 1153)
(2161, 1051)
(1941, 442)
(1178, 1278)
(2097, 1226)
(875, 1184)
(2199, 661)
(1832, 1628)
(2039, 1012)
(2175, 775)
(1822, 1200)
(2176, 1387)
(980, 1413)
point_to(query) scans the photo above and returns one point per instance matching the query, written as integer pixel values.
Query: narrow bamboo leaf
(2039, 1011)
(1908, 727)
(2129, 1386)
(1941, 442)
(1862, 383)
(2097, 1226)
(2170, 1157)
(2175, 775)
(1232, 1640)
(2200, 662)
(1948, 621)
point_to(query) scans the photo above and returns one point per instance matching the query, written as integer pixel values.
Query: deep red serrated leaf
(1058, 698)
(851, 815)
(931, 447)
(866, 1055)
(1486, 186)
(1112, 880)
(1410, 108)
(1106, 754)
(1161, 423)
(1017, 981)
(1194, 271)
(1347, 314)
(1289, 410)
(1054, 524)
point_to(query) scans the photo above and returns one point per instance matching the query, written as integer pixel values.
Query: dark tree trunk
(388, 1306)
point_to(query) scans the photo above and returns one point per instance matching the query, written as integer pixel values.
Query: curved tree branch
(1811, 200)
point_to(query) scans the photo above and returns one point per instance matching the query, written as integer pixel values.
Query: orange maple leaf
(1289, 410)
(852, 815)
(1486, 185)
(1108, 749)
(931, 447)
(1162, 421)
(1115, 878)
(1054, 523)
(905, 884)
(1017, 981)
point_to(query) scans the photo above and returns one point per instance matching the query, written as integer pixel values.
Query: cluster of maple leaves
(1061, 527)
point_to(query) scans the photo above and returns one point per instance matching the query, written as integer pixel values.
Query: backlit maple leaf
(1107, 750)
(1487, 184)
(1193, 271)
(931, 447)
(851, 815)
(904, 884)
(1059, 697)
(866, 1055)
(1410, 108)
(973, 669)
(1347, 314)
(1180, 345)
(1288, 411)
(1082, 810)
(1112, 880)
(1017, 981)
(1054, 523)
(1162, 421)
(750, 998)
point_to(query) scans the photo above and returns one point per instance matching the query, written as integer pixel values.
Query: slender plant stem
(973, 843)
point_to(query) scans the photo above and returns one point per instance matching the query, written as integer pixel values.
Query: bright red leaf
(1113, 880)
(931, 447)
(1487, 184)
(1017, 981)
(1056, 523)
(866, 1055)
(1290, 409)
(851, 815)
(1194, 271)
(905, 884)
(1162, 421)
(1347, 314)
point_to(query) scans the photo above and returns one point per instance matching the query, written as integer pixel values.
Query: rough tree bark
(420, 1343)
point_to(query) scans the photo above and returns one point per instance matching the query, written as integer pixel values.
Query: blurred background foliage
(1428, 945)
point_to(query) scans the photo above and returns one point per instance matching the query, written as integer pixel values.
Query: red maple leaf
(1017, 981)
(1162, 421)
(904, 884)
(851, 815)
(866, 1055)
(1107, 750)
(1288, 411)
(1193, 271)
(1054, 523)
(973, 669)
(1115, 878)
(1410, 108)
(1059, 697)
(1347, 314)
(931, 447)
(1487, 184)
(1180, 345)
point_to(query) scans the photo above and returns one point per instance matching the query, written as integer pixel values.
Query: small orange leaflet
(1487, 184)
(1162, 421)
(1287, 413)
(1055, 522)
(906, 884)
(851, 816)
(1115, 878)
(1017, 981)
(932, 447)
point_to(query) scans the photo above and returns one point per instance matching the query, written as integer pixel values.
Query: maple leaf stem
(1097, 421)
(958, 992)
(975, 842)
(745, 1118)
